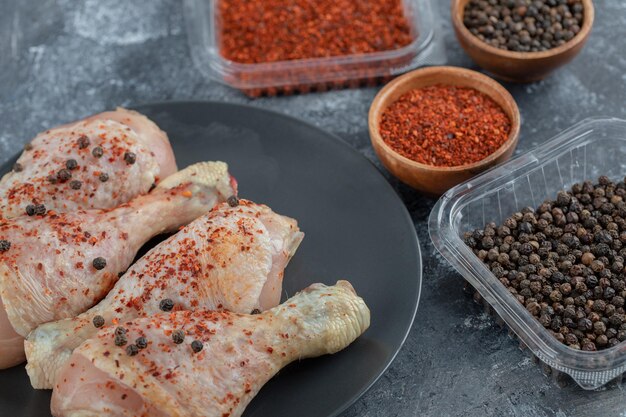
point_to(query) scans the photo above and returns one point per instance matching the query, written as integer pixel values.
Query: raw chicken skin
(48, 272)
(232, 258)
(35, 178)
(11, 343)
(240, 354)
(148, 133)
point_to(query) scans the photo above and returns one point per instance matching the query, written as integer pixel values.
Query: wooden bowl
(430, 179)
(519, 66)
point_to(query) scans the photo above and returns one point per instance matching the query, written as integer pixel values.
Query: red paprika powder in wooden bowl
(436, 127)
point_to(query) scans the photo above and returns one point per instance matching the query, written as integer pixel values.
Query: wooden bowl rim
(588, 17)
(452, 72)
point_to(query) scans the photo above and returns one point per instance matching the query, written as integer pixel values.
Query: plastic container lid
(313, 73)
(588, 150)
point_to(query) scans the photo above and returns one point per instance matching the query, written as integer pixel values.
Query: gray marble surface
(62, 60)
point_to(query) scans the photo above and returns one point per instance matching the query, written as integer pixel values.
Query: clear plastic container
(315, 74)
(588, 150)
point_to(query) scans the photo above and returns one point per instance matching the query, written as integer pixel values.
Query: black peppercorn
(97, 152)
(556, 296)
(196, 346)
(233, 201)
(585, 325)
(599, 305)
(617, 301)
(256, 311)
(602, 340)
(589, 346)
(525, 227)
(120, 330)
(28, 147)
(470, 241)
(76, 185)
(17, 167)
(166, 304)
(178, 336)
(64, 175)
(35, 209)
(83, 142)
(526, 249)
(533, 308)
(602, 249)
(132, 350)
(120, 339)
(563, 198)
(103, 177)
(99, 263)
(566, 288)
(569, 312)
(141, 342)
(602, 236)
(130, 158)
(565, 262)
(98, 321)
(609, 293)
(5, 245)
(71, 164)
(571, 339)
(599, 327)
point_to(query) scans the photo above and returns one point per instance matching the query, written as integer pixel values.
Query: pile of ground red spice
(257, 31)
(444, 125)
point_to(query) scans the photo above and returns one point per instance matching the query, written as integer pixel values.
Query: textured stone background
(61, 60)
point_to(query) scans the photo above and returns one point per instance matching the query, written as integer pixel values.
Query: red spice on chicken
(56, 170)
(202, 266)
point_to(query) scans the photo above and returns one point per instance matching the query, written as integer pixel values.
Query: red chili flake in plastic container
(278, 31)
(258, 31)
(444, 125)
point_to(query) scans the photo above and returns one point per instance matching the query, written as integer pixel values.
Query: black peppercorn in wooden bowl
(513, 65)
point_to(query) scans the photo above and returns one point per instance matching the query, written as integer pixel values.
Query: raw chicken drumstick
(203, 363)
(96, 163)
(232, 258)
(57, 266)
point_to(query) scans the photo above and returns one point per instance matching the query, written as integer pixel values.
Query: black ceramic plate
(356, 229)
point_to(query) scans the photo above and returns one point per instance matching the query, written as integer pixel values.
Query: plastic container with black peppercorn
(547, 259)
(550, 264)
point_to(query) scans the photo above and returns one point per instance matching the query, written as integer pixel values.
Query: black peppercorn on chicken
(96, 163)
(217, 368)
(232, 258)
(58, 265)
